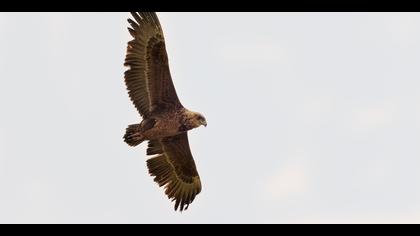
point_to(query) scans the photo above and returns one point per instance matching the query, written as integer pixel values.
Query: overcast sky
(312, 118)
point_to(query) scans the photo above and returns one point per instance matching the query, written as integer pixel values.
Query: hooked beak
(204, 123)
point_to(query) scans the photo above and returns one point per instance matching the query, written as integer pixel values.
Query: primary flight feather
(165, 121)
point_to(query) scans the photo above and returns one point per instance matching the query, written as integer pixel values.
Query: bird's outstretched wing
(148, 78)
(174, 167)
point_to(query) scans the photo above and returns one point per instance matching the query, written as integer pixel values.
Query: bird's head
(196, 120)
(201, 119)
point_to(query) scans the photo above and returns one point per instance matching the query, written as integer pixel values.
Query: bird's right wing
(148, 78)
(174, 167)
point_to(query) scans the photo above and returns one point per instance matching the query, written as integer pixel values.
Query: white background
(313, 118)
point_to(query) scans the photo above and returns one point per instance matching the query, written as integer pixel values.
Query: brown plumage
(165, 121)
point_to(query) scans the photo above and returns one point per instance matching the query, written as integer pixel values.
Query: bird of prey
(165, 121)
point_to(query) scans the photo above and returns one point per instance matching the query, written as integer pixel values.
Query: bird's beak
(204, 123)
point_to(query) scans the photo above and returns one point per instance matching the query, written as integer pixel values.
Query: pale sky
(312, 118)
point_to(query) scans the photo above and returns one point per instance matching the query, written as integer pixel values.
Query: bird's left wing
(148, 78)
(174, 167)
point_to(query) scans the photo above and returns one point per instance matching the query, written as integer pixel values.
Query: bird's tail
(133, 136)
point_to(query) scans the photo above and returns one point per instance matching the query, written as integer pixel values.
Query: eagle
(165, 121)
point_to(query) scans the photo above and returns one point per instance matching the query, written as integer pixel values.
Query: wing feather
(174, 168)
(148, 78)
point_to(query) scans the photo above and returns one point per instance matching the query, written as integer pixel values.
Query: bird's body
(162, 125)
(165, 125)
(165, 120)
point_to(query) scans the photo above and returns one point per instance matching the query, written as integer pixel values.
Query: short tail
(133, 136)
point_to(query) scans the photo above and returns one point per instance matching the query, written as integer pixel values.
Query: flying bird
(165, 121)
